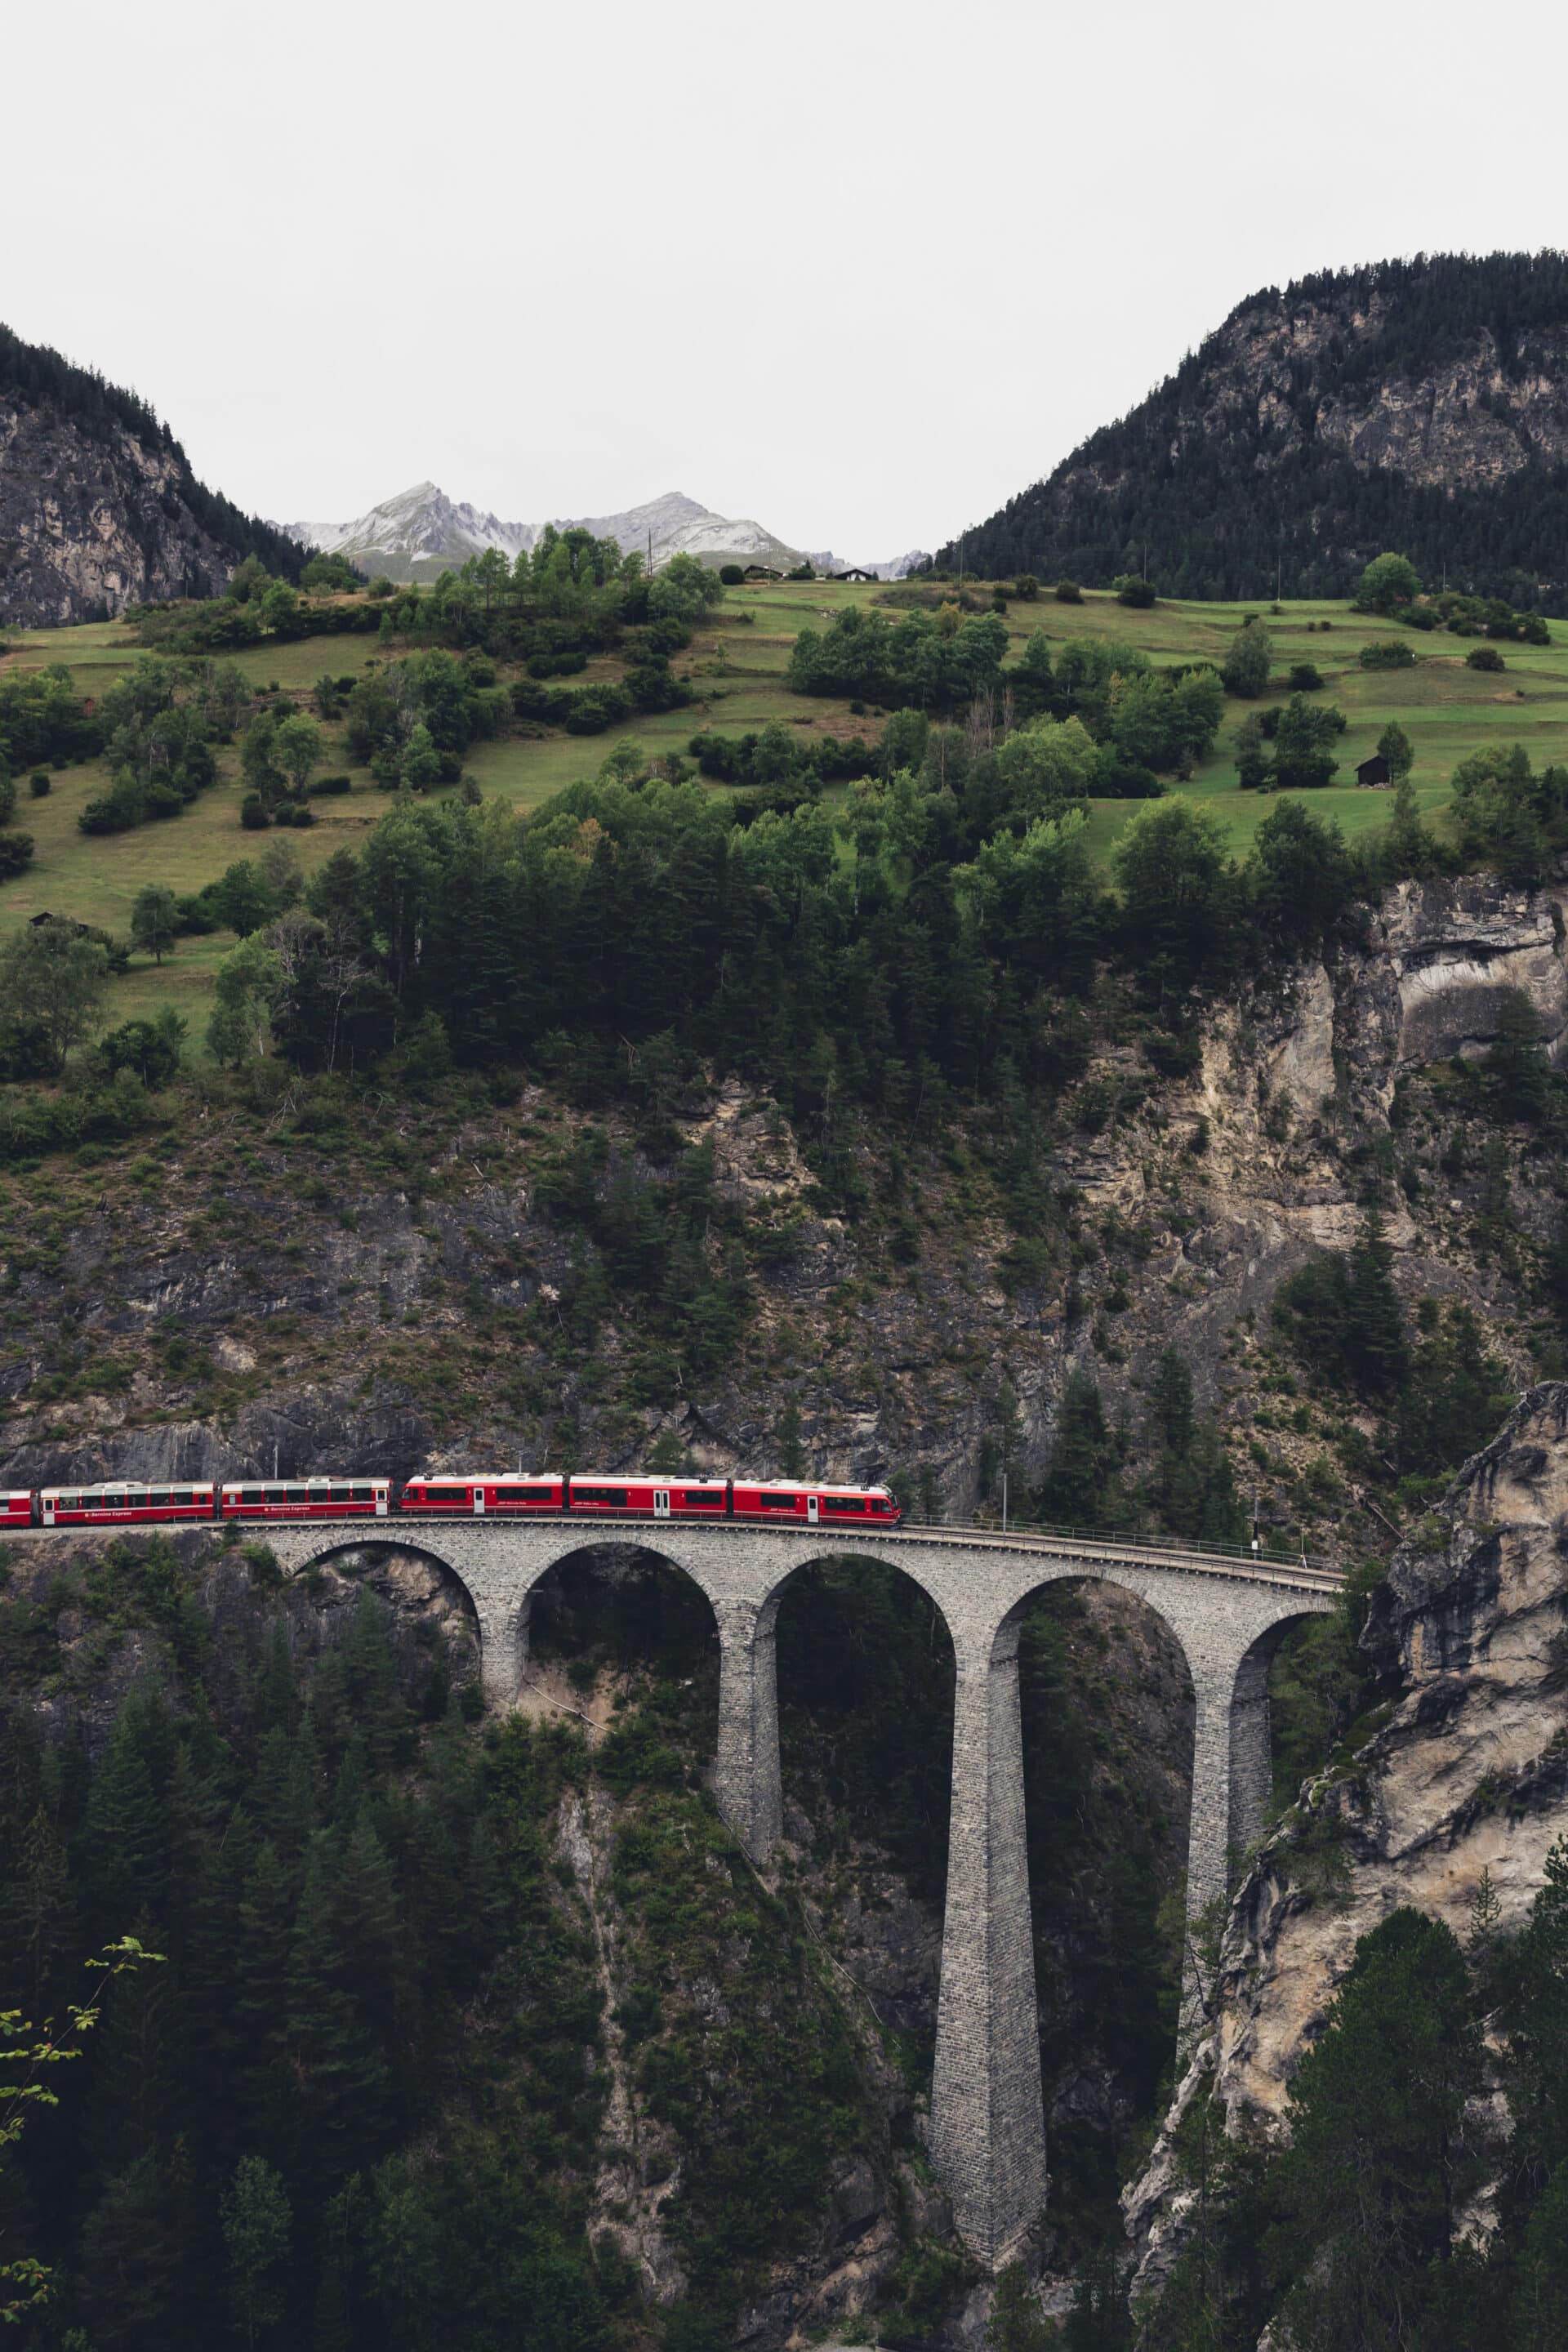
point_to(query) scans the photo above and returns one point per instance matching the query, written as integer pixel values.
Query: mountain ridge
(99, 506)
(1419, 405)
(420, 531)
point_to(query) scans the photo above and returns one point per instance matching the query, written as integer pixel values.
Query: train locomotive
(502, 1494)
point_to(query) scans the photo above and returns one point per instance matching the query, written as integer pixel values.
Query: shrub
(802, 571)
(731, 575)
(1386, 653)
(1069, 593)
(327, 787)
(1131, 590)
(1306, 678)
(253, 813)
(16, 851)
(1484, 657)
(1025, 587)
(39, 783)
(121, 807)
(594, 708)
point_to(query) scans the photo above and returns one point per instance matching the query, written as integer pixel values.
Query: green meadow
(736, 667)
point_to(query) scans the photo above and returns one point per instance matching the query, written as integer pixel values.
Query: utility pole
(1004, 1502)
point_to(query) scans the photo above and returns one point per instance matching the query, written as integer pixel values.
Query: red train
(485, 1494)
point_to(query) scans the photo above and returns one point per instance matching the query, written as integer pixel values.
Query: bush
(1484, 657)
(1069, 593)
(1386, 653)
(1306, 678)
(328, 787)
(253, 813)
(802, 571)
(1131, 590)
(1025, 587)
(731, 575)
(39, 783)
(16, 851)
(594, 708)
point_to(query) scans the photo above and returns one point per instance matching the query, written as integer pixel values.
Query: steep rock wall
(1469, 1773)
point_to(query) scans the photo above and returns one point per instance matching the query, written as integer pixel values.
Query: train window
(776, 1502)
(447, 1494)
(702, 1498)
(844, 1502)
(362, 1494)
(276, 1494)
(156, 1498)
(614, 1496)
(251, 1495)
(297, 1494)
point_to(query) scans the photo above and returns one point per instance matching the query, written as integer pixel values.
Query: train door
(813, 1509)
(381, 1508)
(661, 1502)
(478, 1501)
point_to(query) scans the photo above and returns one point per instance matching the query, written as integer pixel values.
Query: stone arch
(391, 1573)
(605, 1617)
(1141, 1586)
(1108, 1726)
(1251, 1734)
(851, 1670)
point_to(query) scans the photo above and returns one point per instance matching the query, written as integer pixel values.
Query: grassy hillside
(736, 666)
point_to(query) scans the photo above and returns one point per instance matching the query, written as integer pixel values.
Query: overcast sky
(860, 270)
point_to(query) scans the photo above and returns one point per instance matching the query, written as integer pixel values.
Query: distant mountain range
(1420, 405)
(422, 532)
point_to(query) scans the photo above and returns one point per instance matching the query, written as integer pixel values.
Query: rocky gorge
(281, 1274)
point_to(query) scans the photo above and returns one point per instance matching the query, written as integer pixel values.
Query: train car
(16, 1507)
(493, 1494)
(642, 1496)
(777, 1504)
(120, 1503)
(307, 1498)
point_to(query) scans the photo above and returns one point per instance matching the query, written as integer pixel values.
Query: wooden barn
(1373, 774)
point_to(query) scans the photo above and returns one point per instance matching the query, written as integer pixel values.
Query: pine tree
(339, 2092)
(1377, 2167)
(261, 1991)
(124, 1848)
(1079, 1490)
(40, 1905)
(1374, 1324)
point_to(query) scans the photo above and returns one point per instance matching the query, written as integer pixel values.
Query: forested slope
(1420, 404)
(98, 506)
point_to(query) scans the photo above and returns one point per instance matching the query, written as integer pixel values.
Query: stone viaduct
(987, 2125)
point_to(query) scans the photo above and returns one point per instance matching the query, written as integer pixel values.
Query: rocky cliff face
(1468, 1774)
(285, 1286)
(1422, 404)
(99, 507)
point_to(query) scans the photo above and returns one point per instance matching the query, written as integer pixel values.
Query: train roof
(124, 1486)
(317, 1478)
